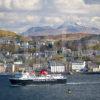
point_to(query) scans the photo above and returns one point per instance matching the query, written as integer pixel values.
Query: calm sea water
(83, 87)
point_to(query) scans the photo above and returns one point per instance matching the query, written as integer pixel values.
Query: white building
(96, 69)
(18, 62)
(78, 66)
(57, 68)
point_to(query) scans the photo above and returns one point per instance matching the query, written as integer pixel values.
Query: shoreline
(76, 73)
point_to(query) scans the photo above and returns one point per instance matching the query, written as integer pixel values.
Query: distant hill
(63, 37)
(91, 42)
(4, 33)
(74, 41)
(68, 37)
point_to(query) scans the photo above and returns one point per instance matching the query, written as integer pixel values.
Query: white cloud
(31, 18)
(54, 20)
(20, 4)
(92, 1)
(1, 15)
(20, 14)
(6, 3)
(26, 4)
(94, 9)
(69, 5)
(96, 21)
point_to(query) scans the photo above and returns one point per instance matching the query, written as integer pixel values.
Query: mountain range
(65, 28)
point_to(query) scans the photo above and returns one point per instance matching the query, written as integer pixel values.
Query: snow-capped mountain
(64, 28)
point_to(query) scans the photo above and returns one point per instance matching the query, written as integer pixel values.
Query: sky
(20, 15)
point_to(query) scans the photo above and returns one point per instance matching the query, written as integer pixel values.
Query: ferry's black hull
(30, 82)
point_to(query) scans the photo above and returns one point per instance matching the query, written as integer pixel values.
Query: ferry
(27, 78)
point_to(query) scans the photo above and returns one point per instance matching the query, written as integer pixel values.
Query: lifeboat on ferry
(43, 72)
(32, 73)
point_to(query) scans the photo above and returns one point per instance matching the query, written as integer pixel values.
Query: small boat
(43, 78)
(68, 91)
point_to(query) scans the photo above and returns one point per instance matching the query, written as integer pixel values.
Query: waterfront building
(56, 67)
(11, 68)
(96, 68)
(2, 68)
(78, 66)
(8, 68)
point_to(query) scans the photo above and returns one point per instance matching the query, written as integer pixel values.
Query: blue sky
(19, 15)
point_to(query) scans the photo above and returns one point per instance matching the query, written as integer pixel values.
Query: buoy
(69, 91)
